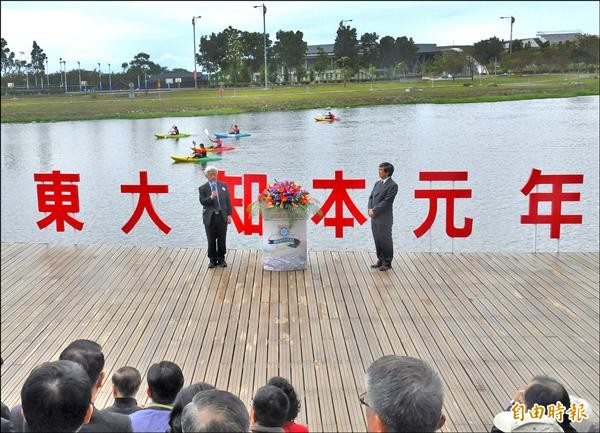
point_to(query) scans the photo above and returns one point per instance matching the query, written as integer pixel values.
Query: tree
(38, 57)
(322, 62)
(406, 51)
(346, 45)
(8, 57)
(289, 49)
(345, 63)
(124, 66)
(453, 62)
(586, 50)
(369, 43)
(253, 50)
(233, 52)
(211, 53)
(387, 50)
(141, 63)
(487, 50)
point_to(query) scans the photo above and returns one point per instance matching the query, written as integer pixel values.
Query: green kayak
(157, 135)
(192, 159)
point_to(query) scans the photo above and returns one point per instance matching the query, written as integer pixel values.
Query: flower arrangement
(285, 198)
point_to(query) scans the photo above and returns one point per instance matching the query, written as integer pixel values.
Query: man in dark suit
(214, 197)
(381, 203)
(89, 355)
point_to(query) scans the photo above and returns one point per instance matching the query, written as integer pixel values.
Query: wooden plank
(487, 322)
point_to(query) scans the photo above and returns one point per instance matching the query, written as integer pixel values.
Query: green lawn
(204, 102)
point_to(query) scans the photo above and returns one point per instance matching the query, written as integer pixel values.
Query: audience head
(290, 393)
(269, 407)
(56, 397)
(165, 380)
(184, 397)
(89, 355)
(215, 411)
(545, 391)
(126, 382)
(404, 394)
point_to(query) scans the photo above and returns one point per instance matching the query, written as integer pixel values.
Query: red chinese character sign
(339, 196)
(244, 225)
(145, 203)
(555, 198)
(447, 194)
(59, 198)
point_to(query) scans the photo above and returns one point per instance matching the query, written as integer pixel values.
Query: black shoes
(376, 265)
(215, 263)
(385, 267)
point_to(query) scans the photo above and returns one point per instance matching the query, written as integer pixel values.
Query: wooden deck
(487, 322)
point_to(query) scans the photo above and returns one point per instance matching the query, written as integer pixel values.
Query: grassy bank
(201, 102)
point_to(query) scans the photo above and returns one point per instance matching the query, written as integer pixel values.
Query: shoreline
(205, 102)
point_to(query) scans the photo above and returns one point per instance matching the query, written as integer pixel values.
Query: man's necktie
(213, 187)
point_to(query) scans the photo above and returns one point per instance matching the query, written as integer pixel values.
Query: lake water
(497, 143)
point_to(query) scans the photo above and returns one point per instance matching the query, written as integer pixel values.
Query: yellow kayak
(192, 159)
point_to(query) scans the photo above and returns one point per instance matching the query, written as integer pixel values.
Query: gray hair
(215, 411)
(210, 168)
(406, 393)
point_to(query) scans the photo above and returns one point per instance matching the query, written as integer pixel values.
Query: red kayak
(213, 149)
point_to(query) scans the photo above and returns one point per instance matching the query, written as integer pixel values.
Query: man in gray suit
(381, 203)
(214, 197)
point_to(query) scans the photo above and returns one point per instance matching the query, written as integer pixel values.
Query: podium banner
(284, 244)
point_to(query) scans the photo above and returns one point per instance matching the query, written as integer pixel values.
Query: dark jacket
(99, 422)
(211, 206)
(107, 422)
(381, 200)
(123, 405)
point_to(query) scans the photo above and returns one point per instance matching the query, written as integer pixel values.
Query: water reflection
(497, 143)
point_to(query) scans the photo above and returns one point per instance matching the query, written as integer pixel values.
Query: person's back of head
(404, 394)
(56, 397)
(165, 380)
(290, 392)
(185, 396)
(88, 354)
(270, 406)
(126, 381)
(215, 411)
(545, 391)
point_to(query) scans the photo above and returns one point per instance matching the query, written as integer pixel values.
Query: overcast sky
(114, 32)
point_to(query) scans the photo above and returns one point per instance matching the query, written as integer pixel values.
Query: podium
(284, 241)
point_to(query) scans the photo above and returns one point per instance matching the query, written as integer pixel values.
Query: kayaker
(330, 115)
(199, 152)
(174, 130)
(234, 130)
(218, 142)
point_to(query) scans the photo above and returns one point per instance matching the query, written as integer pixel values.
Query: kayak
(228, 135)
(213, 149)
(171, 135)
(325, 119)
(192, 159)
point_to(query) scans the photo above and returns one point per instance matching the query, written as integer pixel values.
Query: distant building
(559, 37)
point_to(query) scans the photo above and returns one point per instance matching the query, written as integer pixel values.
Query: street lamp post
(109, 78)
(79, 70)
(264, 11)
(342, 22)
(99, 77)
(512, 20)
(194, 32)
(47, 74)
(63, 64)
